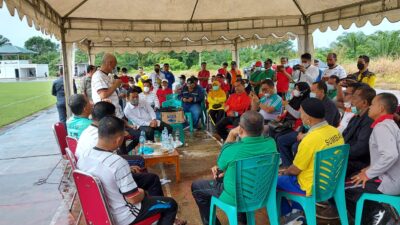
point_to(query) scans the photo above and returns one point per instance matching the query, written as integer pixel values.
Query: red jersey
(282, 82)
(238, 103)
(162, 94)
(203, 74)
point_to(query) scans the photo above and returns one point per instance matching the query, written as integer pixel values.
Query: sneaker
(296, 218)
(382, 217)
(329, 213)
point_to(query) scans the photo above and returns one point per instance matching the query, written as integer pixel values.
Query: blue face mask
(215, 88)
(306, 126)
(355, 110)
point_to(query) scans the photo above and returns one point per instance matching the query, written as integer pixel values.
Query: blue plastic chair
(178, 104)
(394, 201)
(172, 96)
(256, 179)
(329, 179)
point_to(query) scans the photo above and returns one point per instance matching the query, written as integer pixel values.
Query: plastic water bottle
(177, 142)
(142, 142)
(164, 138)
(170, 143)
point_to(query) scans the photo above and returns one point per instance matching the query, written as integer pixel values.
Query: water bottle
(170, 143)
(164, 138)
(177, 142)
(142, 142)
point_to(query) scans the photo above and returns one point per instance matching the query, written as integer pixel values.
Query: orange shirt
(234, 74)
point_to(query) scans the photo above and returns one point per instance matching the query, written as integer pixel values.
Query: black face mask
(157, 70)
(360, 66)
(330, 65)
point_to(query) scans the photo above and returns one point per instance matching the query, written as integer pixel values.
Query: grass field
(21, 99)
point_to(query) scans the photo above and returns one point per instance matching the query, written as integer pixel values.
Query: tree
(4, 40)
(353, 43)
(40, 45)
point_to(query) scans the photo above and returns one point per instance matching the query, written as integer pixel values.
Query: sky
(18, 31)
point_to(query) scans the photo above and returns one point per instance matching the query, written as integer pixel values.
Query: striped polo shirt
(272, 101)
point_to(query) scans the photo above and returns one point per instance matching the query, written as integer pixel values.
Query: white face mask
(330, 87)
(347, 105)
(306, 65)
(285, 65)
(267, 95)
(296, 93)
(146, 89)
(313, 95)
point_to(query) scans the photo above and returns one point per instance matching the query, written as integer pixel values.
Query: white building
(22, 69)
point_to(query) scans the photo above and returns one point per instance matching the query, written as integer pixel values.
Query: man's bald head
(109, 62)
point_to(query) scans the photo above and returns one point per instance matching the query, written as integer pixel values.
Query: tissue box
(173, 117)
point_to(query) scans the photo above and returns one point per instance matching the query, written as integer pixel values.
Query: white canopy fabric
(154, 25)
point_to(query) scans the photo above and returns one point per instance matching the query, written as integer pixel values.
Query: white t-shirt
(87, 141)
(154, 76)
(338, 70)
(100, 81)
(310, 76)
(151, 98)
(115, 176)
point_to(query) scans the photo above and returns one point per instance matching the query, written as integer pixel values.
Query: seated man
(81, 108)
(382, 175)
(192, 95)
(149, 96)
(139, 112)
(252, 143)
(298, 178)
(235, 106)
(269, 103)
(332, 85)
(128, 203)
(163, 92)
(148, 181)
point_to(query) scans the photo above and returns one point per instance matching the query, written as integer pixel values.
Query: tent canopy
(9, 49)
(153, 25)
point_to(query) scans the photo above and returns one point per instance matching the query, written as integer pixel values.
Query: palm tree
(3, 40)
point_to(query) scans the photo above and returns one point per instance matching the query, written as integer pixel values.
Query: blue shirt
(170, 77)
(197, 94)
(76, 125)
(272, 101)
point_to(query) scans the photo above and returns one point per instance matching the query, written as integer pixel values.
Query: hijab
(304, 89)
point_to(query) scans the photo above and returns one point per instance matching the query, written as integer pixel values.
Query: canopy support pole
(92, 57)
(235, 53)
(67, 53)
(305, 41)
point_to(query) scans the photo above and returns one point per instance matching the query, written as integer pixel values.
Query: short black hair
(102, 109)
(90, 68)
(365, 57)
(366, 93)
(333, 55)
(241, 81)
(225, 64)
(389, 102)
(148, 81)
(203, 63)
(355, 85)
(306, 56)
(157, 65)
(337, 79)
(253, 123)
(233, 63)
(268, 60)
(316, 61)
(110, 126)
(285, 57)
(321, 85)
(134, 89)
(77, 103)
(268, 82)
(124, 70)
(166, 64)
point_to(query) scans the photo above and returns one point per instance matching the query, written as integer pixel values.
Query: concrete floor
(29, 153)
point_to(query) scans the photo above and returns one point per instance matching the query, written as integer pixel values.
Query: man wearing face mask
(343, 102)
(283, 77)
(142, 115)
(192, 95)
(148, 95)
(104, 87)
(363, 75)
(333, 68)
(168, 75)
(305, 72)
(156, 77)
(163, 92)
(268, 102)
(332, 115)
(178, 85)
(252, 143)
(332, 85)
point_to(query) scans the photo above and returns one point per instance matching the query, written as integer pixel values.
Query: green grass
(21, 99)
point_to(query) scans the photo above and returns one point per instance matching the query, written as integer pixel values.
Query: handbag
(279, 127)
(216, 106)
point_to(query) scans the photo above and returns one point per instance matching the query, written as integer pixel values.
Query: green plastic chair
(178, 104)
(172, 96)
(329, 179)
(388, 199)
(256, 179)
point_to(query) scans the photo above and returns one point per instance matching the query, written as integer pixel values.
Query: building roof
(9, 49)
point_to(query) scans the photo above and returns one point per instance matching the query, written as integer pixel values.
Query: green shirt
(261, 75)
(231, 152)
(76, 125)
(332, 94)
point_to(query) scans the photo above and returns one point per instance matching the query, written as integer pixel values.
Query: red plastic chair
(72, 143)
(94, 203)
(60, 133)
(72, 161)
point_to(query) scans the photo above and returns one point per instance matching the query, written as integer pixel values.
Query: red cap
(258, 64)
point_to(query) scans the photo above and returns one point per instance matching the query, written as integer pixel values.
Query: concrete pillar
(92, 59)
(235, 53)
(305, 43)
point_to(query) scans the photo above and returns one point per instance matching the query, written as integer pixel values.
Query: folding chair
(256, 179)
(94, 202)
(329, 174)
(72, 143)
(60, 134)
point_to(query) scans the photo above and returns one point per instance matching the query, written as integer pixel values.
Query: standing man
(235, 72)
(363, 75)
(104, 87)
(259, 74)
(86, 87)
(168, 75)
(156, 77)
(305, 72)
(333, 68)
(283, 77)
(58, 91)
(203, 75)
